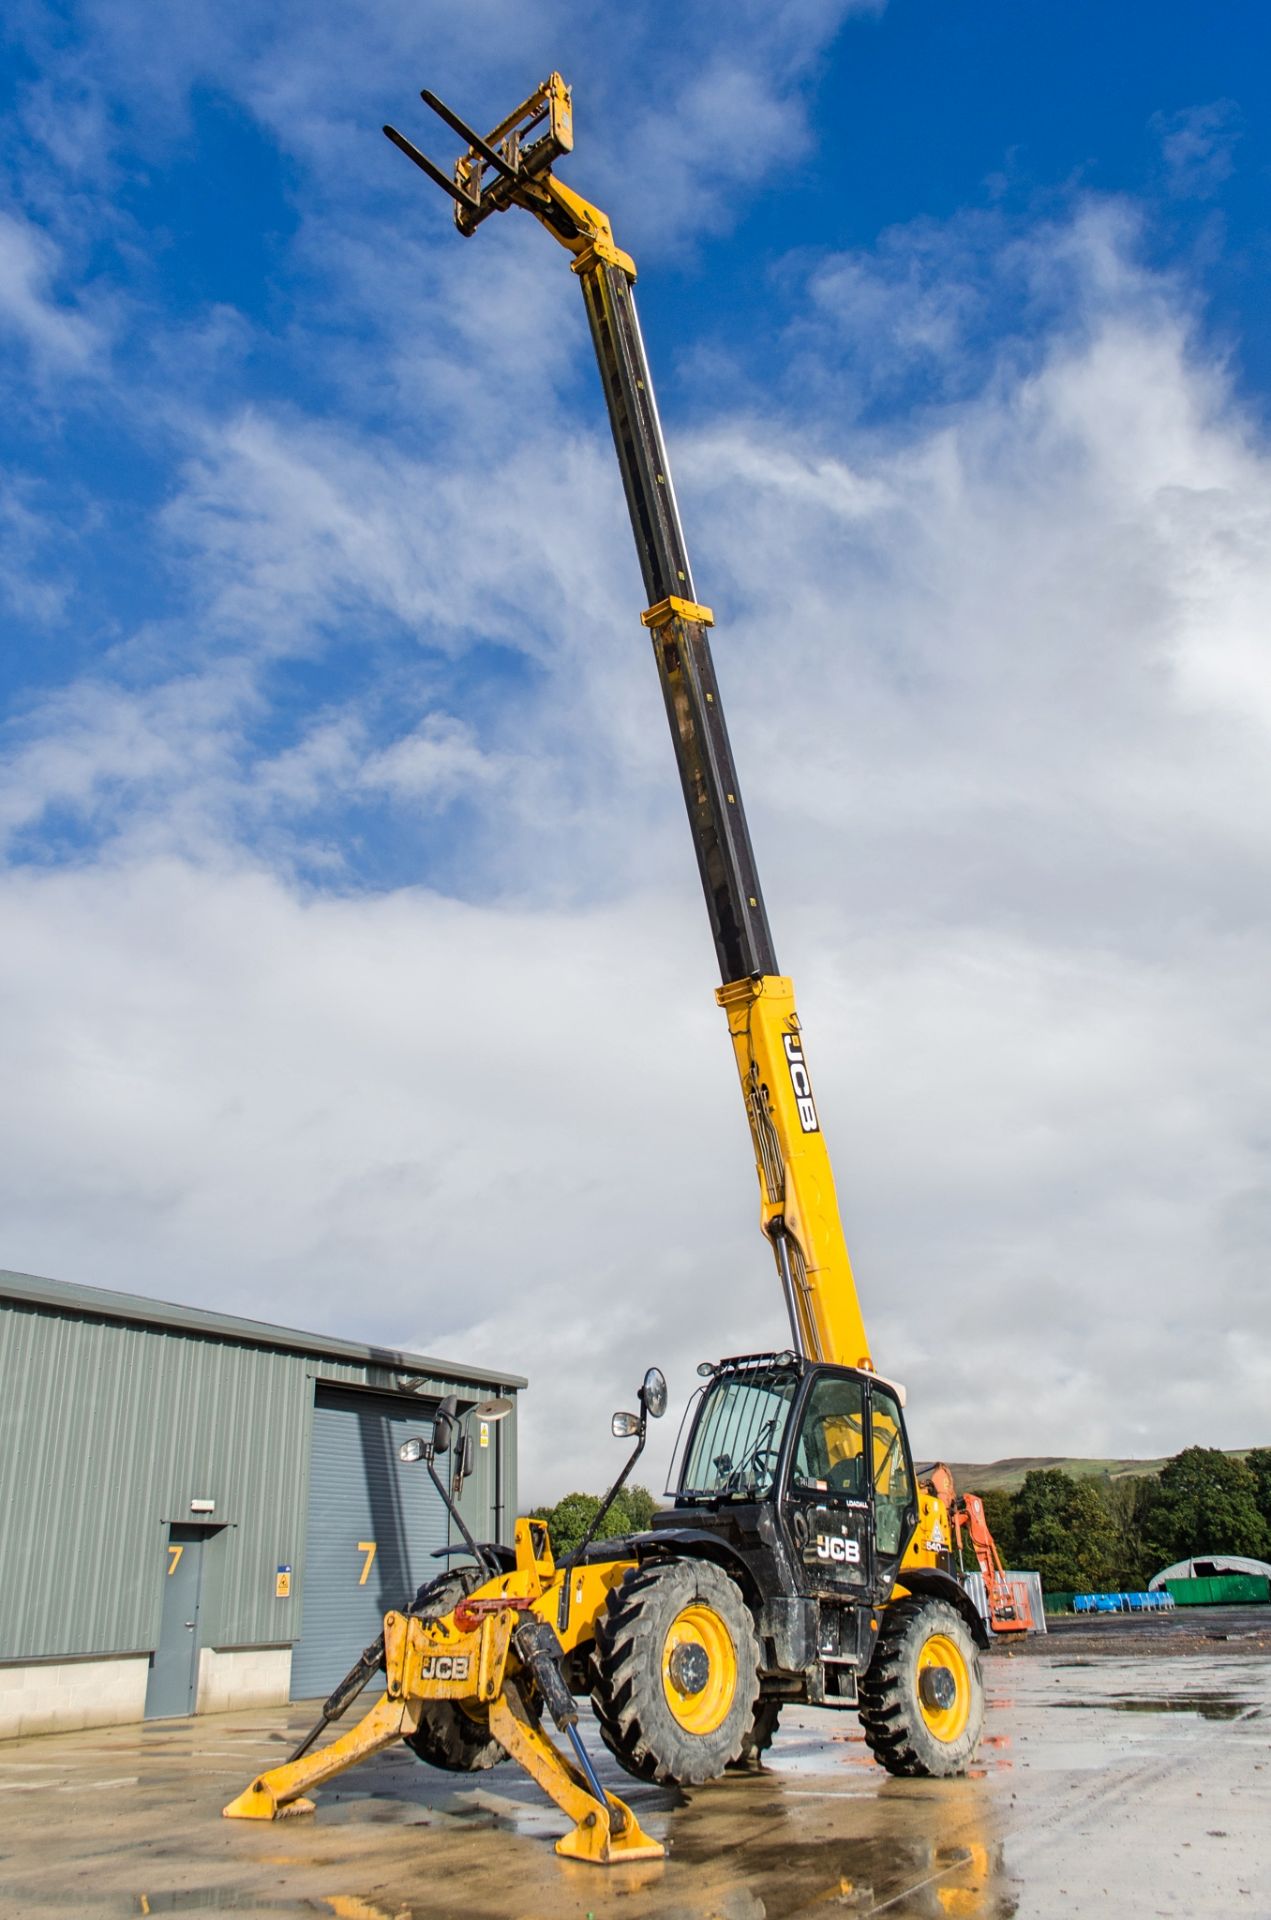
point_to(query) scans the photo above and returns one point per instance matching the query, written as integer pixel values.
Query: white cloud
(681, 135)
(117, 761)
(998, 682)
(30, 577)
(57, 335)
(401, 1117)
(1198, 147)
(440, 758)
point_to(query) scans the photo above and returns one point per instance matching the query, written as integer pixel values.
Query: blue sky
(338, 821)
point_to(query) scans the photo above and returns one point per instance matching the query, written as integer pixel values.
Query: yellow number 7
(174, 1558)
(368, 1548)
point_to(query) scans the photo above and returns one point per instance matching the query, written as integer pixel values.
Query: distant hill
(1007, 1476)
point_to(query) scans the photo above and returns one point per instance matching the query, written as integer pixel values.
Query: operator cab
(823, 1449)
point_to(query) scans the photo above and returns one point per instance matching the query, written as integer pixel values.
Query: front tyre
(676, 1672)
(922, 1701)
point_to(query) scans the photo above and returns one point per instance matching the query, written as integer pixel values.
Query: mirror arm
(453, 1510)
(567, 1569)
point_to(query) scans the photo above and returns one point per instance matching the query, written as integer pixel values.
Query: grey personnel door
(174, 1669)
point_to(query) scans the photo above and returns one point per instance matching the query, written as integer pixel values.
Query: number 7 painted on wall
(174, 1559)
(368, 1548)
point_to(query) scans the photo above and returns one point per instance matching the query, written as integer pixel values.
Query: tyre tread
(895, 1731)
(627, 1670)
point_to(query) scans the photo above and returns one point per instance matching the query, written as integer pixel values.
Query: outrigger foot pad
(258, 1803)
(595, 1842)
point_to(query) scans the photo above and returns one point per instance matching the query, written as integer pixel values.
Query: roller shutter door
(373, 1527)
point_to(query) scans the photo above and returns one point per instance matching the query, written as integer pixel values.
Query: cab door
(894, 1500)
(827, 1496)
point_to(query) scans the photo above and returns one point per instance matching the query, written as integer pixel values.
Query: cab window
(893, 1485)
(829, 1455)
(737, 1439)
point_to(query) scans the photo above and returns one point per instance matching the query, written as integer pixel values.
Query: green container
(1220, 1590)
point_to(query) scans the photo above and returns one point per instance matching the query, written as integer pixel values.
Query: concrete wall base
(243, 1677)
(55, 1697)
(48, 1696)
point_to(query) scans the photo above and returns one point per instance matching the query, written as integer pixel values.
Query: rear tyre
(676, 1672)
(757, 1738)
(448, 1736)
(922, 1701)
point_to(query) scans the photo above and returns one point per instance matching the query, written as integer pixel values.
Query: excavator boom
(1010, 1610)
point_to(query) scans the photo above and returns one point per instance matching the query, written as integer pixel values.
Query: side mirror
(466, 1456)
(624, 1425)
(442, 1433)
(653, 1393)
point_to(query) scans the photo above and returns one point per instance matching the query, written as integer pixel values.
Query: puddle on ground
(223, 1900)
(856, 1876)
(1209, 1706)
(343, 1906)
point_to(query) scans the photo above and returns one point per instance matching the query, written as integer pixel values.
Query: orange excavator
(1007, 1599)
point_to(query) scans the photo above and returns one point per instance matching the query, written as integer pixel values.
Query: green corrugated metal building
(199, 1511)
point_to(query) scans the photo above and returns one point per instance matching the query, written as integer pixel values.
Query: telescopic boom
(511, 167)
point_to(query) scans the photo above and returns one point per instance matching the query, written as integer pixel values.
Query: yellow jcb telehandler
(800, 1560)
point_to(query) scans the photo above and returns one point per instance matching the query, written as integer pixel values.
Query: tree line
(1098, 1534)
(569, 1519)
(1081, 1535)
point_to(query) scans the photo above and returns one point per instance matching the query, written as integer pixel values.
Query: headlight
(411, 1450)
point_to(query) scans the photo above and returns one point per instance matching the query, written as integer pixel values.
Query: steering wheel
(760, 1464)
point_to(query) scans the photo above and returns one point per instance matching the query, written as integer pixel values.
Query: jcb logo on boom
(832, 1546)
(801, 1081)
(445, 1666)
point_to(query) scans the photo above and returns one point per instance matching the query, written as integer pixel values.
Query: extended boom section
(798, 1206)
(799, 1209)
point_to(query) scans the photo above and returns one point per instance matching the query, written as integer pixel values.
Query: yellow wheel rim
(946, 1723)
(698, 1631)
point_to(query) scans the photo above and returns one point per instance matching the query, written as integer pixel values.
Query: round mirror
(492, 1409)
(653, 1393)
(411, 1450)
(623, 1425)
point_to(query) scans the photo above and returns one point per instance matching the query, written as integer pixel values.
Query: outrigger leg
(606, 1832)
(279, 1791)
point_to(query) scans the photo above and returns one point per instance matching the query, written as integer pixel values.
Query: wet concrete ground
(1108, 1786)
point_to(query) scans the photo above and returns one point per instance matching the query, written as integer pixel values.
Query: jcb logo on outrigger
(445, 1666)
(801, 1081)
